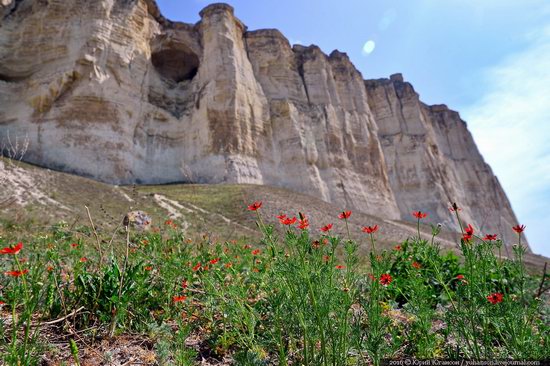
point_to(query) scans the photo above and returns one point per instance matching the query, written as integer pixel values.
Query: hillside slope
(33, 198)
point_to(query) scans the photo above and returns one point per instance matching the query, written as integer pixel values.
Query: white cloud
(368, 47)
(293, 41)
(511, 125)
(387, 19)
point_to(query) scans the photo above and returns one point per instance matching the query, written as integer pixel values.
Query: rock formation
(112, 90)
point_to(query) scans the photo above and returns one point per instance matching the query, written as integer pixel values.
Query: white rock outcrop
(112, 90)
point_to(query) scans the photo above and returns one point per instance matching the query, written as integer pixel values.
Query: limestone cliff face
(112, 90)
(432, 158)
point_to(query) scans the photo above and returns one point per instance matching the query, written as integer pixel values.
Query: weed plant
(299, 299)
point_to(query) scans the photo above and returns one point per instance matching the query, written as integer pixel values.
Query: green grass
(290, 297)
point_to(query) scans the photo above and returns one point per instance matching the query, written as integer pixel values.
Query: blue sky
(488, 59)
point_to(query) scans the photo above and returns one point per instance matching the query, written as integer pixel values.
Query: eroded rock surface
(111, 89)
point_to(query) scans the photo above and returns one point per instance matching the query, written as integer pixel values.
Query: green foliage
(296, 299)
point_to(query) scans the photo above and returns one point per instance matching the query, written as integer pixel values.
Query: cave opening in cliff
(176, 64)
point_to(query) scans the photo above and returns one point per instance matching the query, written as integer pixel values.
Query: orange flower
(344, 215)
(419, 214)
(326, 228)
(519, 228)
(370, 229)
(454, 208)
(228, 265)
(495, 298)
(16, 273)
(288, 221)
(303, 224)
(148, 268)
(469, 230)
(12, 250)
(397, 247)
(83, 259)
(255, 206)
(179, 298)
(281, 218)
(385, 279)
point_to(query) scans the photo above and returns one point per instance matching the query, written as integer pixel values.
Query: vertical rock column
(237, 109)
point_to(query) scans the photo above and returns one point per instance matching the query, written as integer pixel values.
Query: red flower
(370, 229)
(74, 245)
(179, 298)
(289, 221)
(281, 217)
(303, 224)
(385, 279)
(214, 261)
(83, 259)
(326, 228)
(495, 298)
(256, 252)
(12, 250)
(490, 237)
(148, 268)
(255, 206)
(371, 276)
(339, 267)
(419, 214)
(344, 215)
(16, 273)
(184, 284)
(460, 277)
(397, 247)
(49, 268)
(416, 265)
(326, 258)
(468, 233)
(519, 228)
(196, 267)
(2, 302)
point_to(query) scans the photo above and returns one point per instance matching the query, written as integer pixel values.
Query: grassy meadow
(145, 293)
